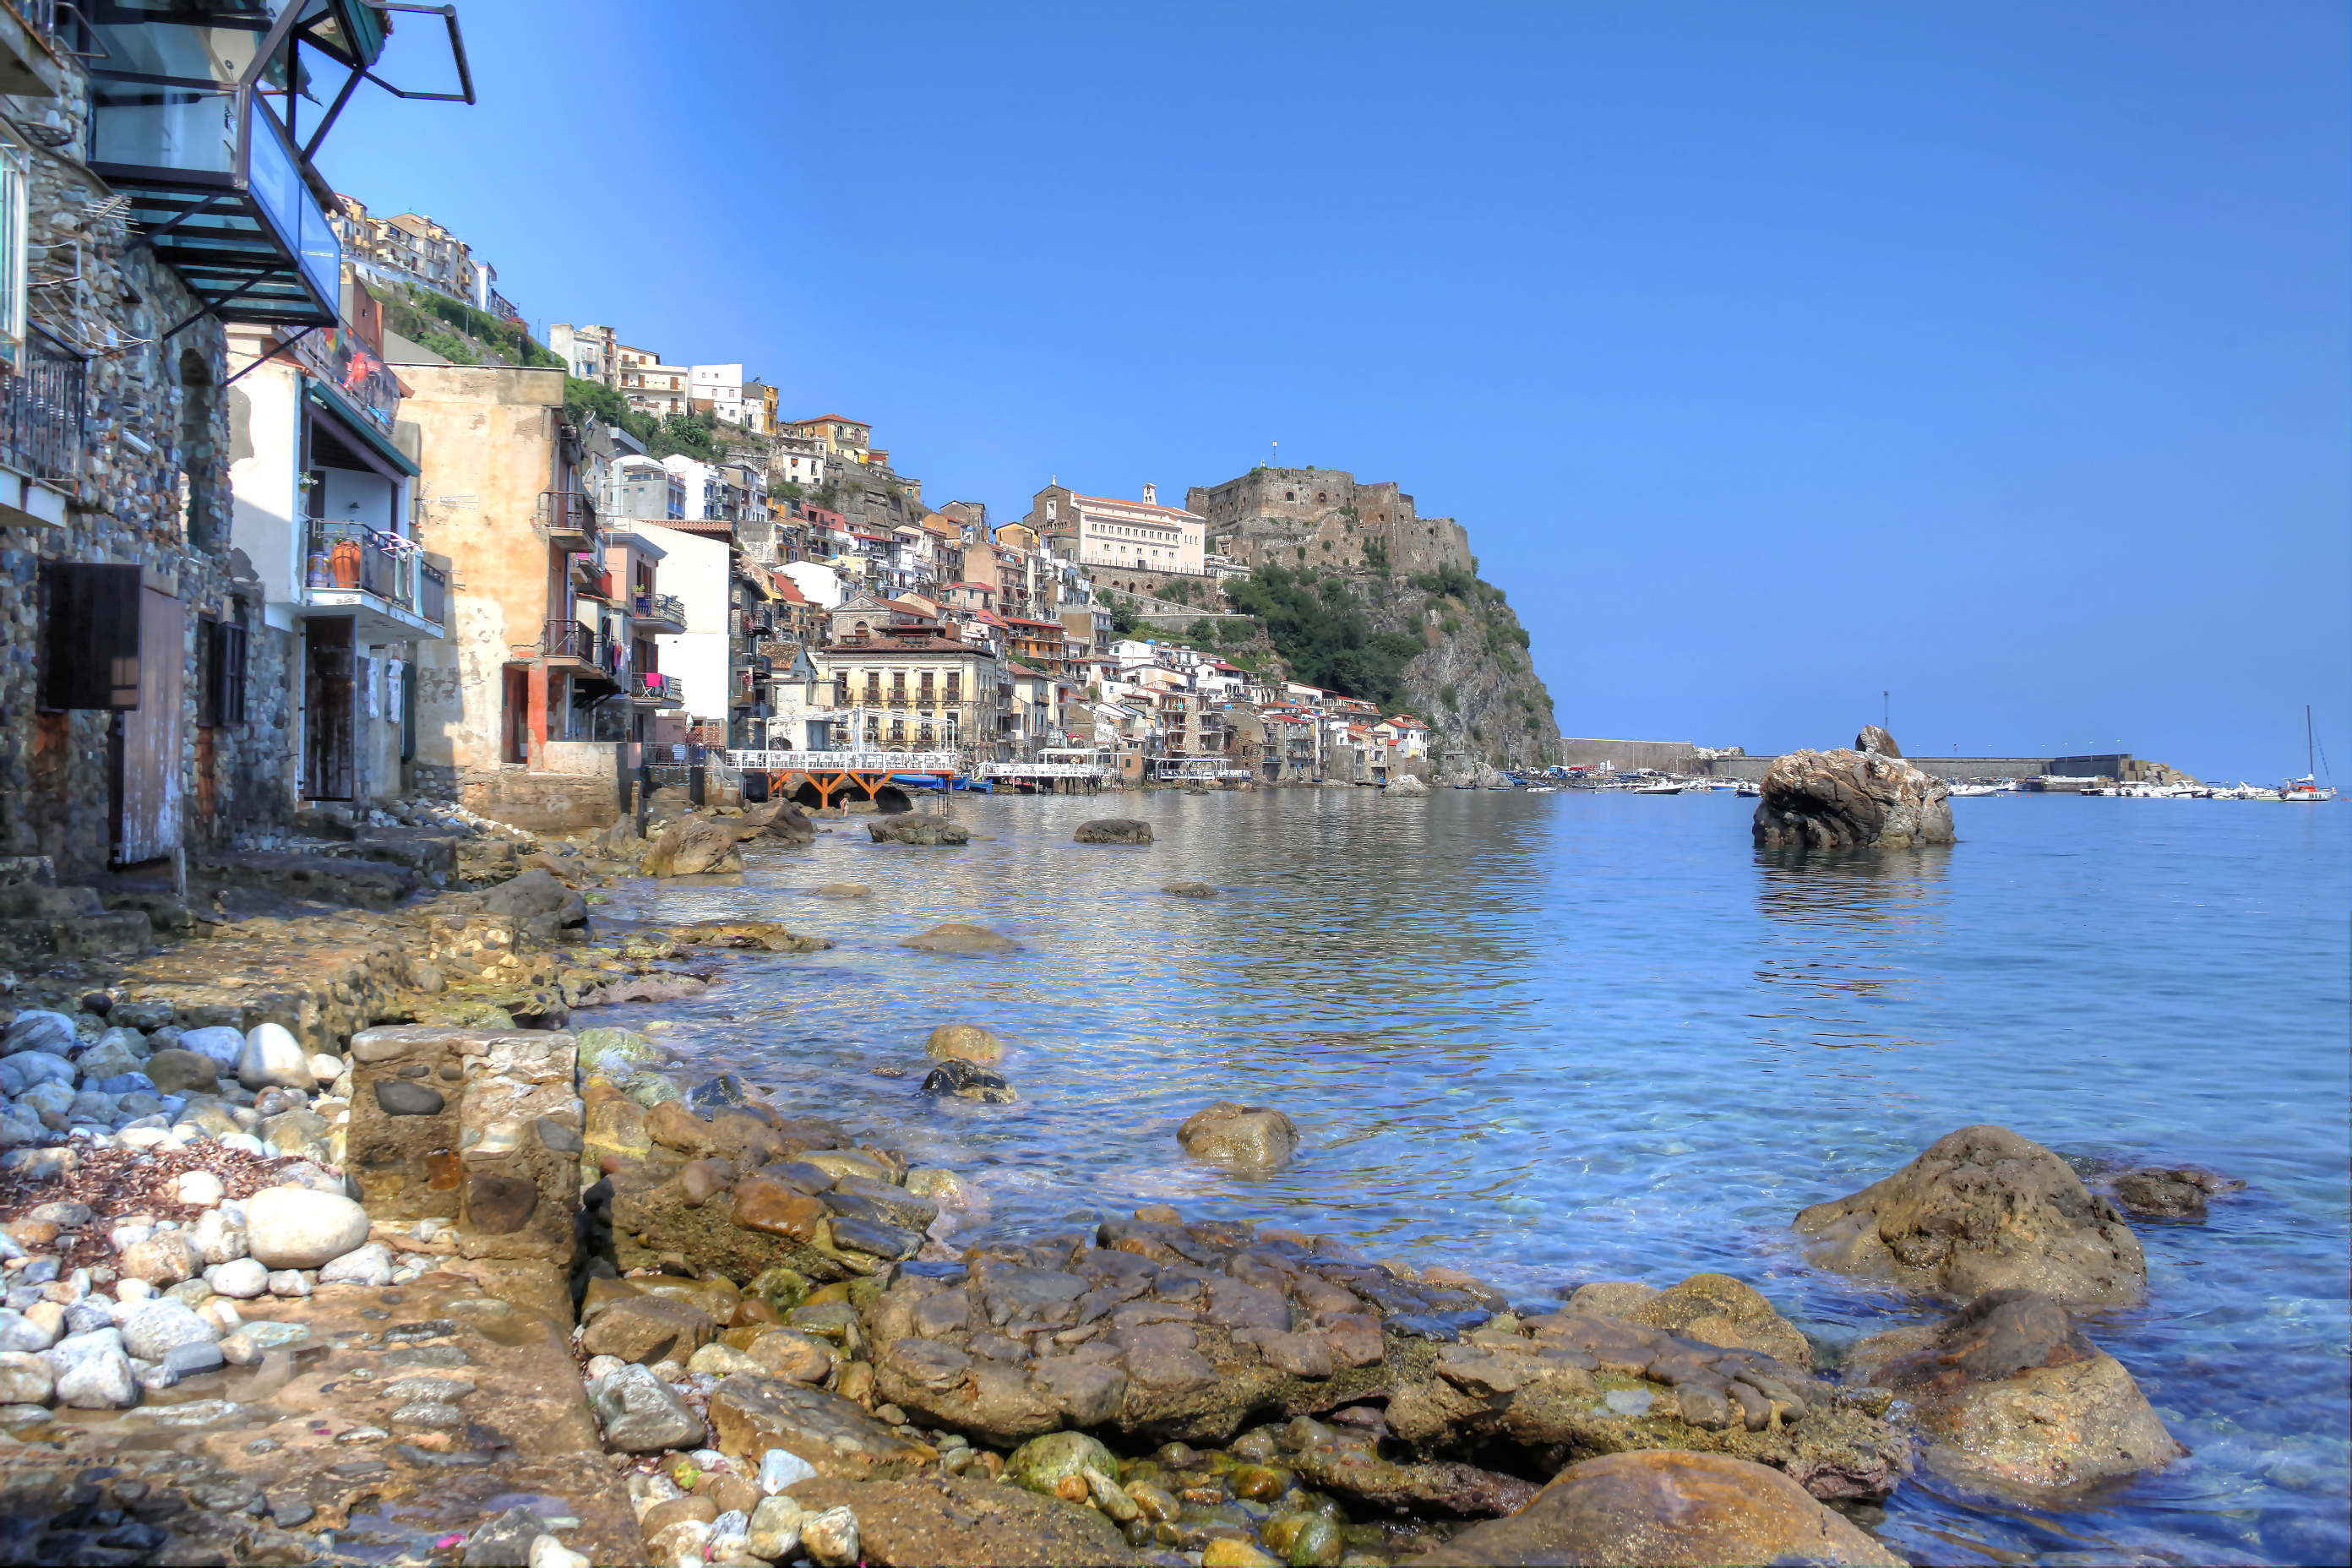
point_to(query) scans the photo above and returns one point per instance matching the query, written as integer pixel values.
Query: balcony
(214, 182)
(568, 518)
(662, 612)
(652, 689)
(340, 359)
(384, 579)
(590, 578)
(569, 642)
(41, 410)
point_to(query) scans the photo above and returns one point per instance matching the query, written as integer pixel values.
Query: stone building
(544, 667)
(1286, 517)
(145, 694)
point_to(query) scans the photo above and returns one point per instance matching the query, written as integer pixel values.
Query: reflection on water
(1576, 1036)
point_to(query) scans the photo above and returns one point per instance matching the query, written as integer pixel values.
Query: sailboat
(2307, 787)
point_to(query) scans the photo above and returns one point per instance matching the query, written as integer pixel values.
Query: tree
(1204, 630)
(1124, 621)
(1322, 635)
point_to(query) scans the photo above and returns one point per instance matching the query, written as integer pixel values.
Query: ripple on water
(1578, 1037)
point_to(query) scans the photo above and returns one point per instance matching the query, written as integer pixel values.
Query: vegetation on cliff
(1443, 645)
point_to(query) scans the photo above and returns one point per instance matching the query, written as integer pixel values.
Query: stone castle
(1290, 517)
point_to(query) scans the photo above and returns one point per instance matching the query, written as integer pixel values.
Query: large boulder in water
(1114, 830)
(1982, 1209)
(2011, 1389)
(693, 847)
(915, 827)
(776, 821)
(1637, 1510)
(1863, 799)
(1256, 1137)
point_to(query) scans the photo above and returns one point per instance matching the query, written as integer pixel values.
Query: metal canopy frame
(211, 227)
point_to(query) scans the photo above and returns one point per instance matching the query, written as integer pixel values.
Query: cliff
(1357, 591)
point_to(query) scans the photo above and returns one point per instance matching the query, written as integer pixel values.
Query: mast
(2307, 768)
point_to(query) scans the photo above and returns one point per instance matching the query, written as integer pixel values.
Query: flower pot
(346, 564)
(318, 576)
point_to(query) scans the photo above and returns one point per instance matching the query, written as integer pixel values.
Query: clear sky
(1775, 355)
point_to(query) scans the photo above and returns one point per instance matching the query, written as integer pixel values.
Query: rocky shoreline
(330, 1237)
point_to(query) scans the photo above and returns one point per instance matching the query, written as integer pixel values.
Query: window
(220, 672)
(90, 641)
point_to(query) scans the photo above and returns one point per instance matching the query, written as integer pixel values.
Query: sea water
(1563, 1037)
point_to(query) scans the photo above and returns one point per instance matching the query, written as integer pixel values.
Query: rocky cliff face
(1470, 681)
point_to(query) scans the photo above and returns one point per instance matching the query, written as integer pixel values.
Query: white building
(722, 492)
(722, 386)
(696, 568)
(798, 460)
(818, 583)
(1120, 535)
(649, 386)
(591, 353)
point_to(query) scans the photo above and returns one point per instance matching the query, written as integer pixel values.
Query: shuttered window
(90, 636)
(220, 665)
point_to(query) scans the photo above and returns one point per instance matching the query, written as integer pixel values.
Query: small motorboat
(1749, 791)
(1543, 789)
(1658, 789)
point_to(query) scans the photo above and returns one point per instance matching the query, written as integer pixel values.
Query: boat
(2307, 789)
(1749, 791)
(1660, 788)
(1973, 789)
(1543, 789)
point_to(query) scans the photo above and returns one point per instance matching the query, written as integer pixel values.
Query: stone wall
(150, 489)
(1271, 515)
(543, 802)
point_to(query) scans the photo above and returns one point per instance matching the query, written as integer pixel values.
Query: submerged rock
(965, 1080)
(1231, 1133)
(2011, 1389)
(1190, 889)
(2160, 1192)
(1114, 830)
(1636, 1510)
(1851, 800)
(763, 936)
(1982, 1209)
(954, 937)
(919, 829)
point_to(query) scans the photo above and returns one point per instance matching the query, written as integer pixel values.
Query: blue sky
(1775, 356)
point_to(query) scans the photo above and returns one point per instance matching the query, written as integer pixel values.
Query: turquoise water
(1563, 1037)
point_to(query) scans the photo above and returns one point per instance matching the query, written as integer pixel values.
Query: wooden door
(328, 718)
(149, 825)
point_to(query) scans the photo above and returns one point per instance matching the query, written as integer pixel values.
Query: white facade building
(696, 568)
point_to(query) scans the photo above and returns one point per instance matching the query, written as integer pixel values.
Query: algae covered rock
(1664, 1509)
(1982, 1209)
(1232, 1134)
(2010, 1390)
(1042, 1464)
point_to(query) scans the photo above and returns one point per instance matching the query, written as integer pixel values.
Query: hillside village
(301, 513)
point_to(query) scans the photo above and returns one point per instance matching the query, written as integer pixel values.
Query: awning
(326, 398)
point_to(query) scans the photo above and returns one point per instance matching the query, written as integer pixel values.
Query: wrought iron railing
(351, 557)
(661, 607)
(433, 592)
(567, 511)
(41, 404)
(570, 639)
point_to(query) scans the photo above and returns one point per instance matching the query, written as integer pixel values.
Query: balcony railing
(666, 607)
(662, 689)
(590, 577)
(568, 516)
(570, 639)
(41, 409)
(347, 558)
(338, 356)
